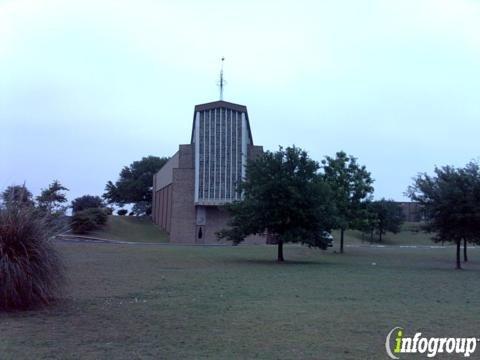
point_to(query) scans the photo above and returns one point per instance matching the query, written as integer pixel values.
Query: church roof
(221, 104)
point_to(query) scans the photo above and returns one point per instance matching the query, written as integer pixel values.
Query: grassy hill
(142, 229)
(131, 228)
(410, 234)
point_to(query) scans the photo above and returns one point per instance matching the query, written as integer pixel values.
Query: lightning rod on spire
(222, 81)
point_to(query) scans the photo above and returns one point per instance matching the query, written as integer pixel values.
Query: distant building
(190, 190)
(412, 211)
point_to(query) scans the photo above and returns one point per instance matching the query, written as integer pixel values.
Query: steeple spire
(222, 81)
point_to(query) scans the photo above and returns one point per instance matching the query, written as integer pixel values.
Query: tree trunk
(459, 266)
(465, 258)
(380, 236)
(280, 251)
(342, 231)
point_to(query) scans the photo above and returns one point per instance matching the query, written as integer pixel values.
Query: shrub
(82, 223)
(99, 215)
(122, 212)
(87, 220)
(31, 271)
(86, 202)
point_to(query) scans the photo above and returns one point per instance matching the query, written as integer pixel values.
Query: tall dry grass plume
(31, 271)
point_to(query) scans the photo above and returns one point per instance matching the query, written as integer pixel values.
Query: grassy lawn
(152, 302)
(142, 229)
(410, 234)
(131, 228)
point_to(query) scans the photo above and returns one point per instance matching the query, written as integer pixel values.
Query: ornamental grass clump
(31, 271)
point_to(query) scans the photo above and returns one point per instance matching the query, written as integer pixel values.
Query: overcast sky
(87, 87)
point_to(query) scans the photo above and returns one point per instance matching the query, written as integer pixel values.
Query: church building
(191, 188)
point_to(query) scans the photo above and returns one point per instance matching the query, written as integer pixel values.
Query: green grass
(142, 229)
(172, 302)
(410, 234)
(131, 228)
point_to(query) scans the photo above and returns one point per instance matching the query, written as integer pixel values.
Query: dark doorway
(200, 235)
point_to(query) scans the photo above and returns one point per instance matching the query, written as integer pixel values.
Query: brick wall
(216, 219)
(254, 151)
(162, 207)
(183, 210)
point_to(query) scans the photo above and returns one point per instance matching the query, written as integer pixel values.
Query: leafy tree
(17, 195)
(87, 202)
(451, 201)
(384, 215)
(52, 198)
(284, 196)
(122, 212)
(352, 186)
(472, 171)
(135, 185)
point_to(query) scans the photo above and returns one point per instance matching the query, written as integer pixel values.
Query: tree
(472, 171)
(451, 201)
(52, 198)
(284, 196)
(17, 195)
(385, 215)
(87, 202)
(135, 185)
(352, 185)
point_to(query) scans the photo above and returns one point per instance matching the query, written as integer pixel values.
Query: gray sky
(87, 87)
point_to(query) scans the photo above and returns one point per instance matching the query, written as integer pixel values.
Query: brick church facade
(191, 188)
